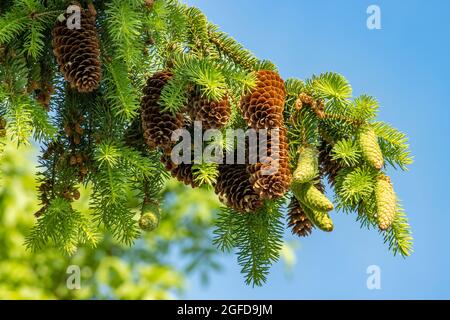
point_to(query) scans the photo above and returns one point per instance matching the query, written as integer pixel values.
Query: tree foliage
(84, 137)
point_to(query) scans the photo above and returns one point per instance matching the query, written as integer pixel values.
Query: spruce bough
(90, 126)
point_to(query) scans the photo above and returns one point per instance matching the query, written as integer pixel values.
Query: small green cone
(371, 150)
(150, 217)
(311, 196)
(386, 202)
(308, 165)
(320, 219)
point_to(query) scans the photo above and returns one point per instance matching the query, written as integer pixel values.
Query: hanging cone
(311, 197)
(298, 221)
(213, 115)
(77, 52)
(307, 166)
(371, 150)
(320, 219)
(150, 217)
(158, 125)
(271, 177)
(234, 189)
(182, 172)
(263, 107)
(328, 166)
(386, 202)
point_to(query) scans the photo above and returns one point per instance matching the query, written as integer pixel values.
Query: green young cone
(310, 196)
(386, 202)
(308, 165)
(150, 217)
(320, 219)
(370, 148)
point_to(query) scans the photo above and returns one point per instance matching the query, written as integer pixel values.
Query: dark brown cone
(298, 221)
(182, 172)
(213, 115)
(77, 52)
(276, 184)
(234, 189)
(328, 166)
(263, 107)
(157, 125)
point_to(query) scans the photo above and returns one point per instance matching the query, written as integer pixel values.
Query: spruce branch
(87, 135)
(230, 48)
(120, 92)
(124, 25)
(256, 236)
(63, 227)
(346, 152)
(330, 86)
(394, 145)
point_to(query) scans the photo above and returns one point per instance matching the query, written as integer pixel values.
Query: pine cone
(270, 185)
(328, 166)
(386, 202)
(298, 220)
(77, 52)
(150, 217)
(263, 107)
(320, 219)
(234, 189)
(158, 125)
(312, 197)
(213, 115)
(182, 172)
(307, 166)
(371, 150)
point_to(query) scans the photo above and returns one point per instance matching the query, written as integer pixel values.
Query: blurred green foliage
(155, 267)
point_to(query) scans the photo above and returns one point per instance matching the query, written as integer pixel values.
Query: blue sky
(406, 66)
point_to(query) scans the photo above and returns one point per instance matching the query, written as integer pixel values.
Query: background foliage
(156, 267)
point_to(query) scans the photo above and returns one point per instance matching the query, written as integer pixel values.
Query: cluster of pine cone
(309, 207)
(158, 124)
(243, 187)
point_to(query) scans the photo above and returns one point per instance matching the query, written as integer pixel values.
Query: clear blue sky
(406, 65)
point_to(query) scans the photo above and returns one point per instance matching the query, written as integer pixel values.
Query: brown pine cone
(182, 172)
(263, 107)
(158, 125)
(213, 115)
(298, 221)
(269, 185)
(77, 52)
(328, 166)
(234, 189)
